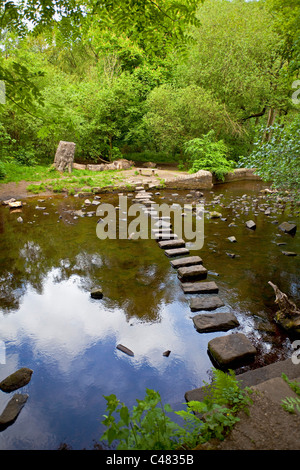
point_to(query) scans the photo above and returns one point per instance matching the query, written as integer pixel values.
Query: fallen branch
(288, 314)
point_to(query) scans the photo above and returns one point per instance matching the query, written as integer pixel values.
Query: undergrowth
(149, 425)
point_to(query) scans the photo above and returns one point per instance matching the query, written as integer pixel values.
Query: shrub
(208, 154)
(278, 159)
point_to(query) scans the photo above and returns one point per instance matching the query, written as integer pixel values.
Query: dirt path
(19, 191)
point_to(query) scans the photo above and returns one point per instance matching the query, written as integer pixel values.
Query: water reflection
(50, 263)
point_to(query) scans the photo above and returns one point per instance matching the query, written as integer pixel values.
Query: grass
(42, 178)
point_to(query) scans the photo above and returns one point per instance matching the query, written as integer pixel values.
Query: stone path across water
(226, 350)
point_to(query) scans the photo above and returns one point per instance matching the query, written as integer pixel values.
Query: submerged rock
(18, 379)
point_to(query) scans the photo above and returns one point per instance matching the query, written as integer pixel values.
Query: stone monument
(64, 156)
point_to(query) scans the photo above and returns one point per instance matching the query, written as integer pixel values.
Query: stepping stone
(251, 225)
(206, 303)
(221, 321)
(163, 224)
(288, 228)
(188, 261)
(188, 272)
(289, 253)
(166, 244)
(143, 196)
(176, 252)
(230, 349)
(165, 236)
(200, 287)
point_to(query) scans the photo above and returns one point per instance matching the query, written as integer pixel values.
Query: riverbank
(267, 426)
(125, 180)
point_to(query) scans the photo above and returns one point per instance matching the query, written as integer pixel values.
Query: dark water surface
(51, 261)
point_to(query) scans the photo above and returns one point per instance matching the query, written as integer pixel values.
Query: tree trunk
(271, 119)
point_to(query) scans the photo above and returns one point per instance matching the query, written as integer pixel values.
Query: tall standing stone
(64, 156)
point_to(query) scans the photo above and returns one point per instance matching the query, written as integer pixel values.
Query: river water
(50, 262)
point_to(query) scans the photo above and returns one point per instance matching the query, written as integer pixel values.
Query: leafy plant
(149, 426)
(291, 404)
(146, 427)
(278, 159)
(208, 154)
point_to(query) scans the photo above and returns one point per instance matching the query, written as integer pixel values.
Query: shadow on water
(50, 262)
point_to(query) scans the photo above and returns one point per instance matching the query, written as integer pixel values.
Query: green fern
(225, 390)
(291, 404)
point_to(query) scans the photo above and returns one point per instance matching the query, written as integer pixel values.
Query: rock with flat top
(176, 252)
(200, 287)
(230, 349)
(192, 272)
(169, 244)
(220, 321)
(210, 302)
(186, 261)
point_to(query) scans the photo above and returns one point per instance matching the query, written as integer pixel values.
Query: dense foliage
(147, 79)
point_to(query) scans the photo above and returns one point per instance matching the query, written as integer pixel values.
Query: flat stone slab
(200, 287)
(221, 321)
(189, 272)
(166, 244)
(230, 349)
(210, 302)
(187, 261)
(176, 252)
(165, 236)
